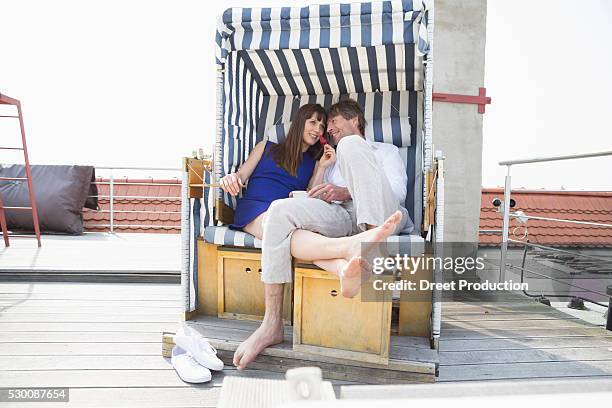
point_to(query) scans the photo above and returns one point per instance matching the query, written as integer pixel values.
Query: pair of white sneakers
(193, 357)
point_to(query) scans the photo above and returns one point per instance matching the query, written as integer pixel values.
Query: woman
(274, 170)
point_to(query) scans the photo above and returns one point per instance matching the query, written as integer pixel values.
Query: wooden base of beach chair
(415, 307)
(327, 323)
(240, 291)
(229, 284)
(411, 360)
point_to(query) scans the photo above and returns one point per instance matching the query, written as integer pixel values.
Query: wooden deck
(93, 257)
(104, 342)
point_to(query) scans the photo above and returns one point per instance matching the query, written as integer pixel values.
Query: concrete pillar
(459, 62)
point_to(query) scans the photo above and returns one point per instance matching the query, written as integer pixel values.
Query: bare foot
(266, 335)
(367, 240)
(352, 275)
(357, 268)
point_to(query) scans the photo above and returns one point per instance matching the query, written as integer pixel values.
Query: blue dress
(270, 182)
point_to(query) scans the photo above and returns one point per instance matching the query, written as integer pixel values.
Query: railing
(519, 215)
(112, 197)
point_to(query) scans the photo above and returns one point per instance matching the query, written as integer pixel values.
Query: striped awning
(323, 26)
(273, 60)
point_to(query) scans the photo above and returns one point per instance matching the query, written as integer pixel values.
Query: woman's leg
(310, 246)
(254, 227)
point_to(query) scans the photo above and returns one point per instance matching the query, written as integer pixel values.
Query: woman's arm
(317, 176)
(232, 183)
(328, 158)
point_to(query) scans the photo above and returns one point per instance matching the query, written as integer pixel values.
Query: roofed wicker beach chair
(270, 61)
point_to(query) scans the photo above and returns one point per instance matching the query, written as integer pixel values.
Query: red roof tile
(568, 205)
(134, 196)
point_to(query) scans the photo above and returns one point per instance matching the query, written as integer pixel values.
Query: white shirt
(388, 157)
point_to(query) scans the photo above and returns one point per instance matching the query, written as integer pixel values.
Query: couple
(355, 195)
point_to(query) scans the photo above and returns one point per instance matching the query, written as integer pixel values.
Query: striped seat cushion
(225, 236)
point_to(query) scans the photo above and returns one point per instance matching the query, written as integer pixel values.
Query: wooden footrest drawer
(240, 289)
(327, 323)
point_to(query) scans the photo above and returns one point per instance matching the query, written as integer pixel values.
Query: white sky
(132, 83)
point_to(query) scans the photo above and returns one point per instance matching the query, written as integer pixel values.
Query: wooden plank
(94, 310)
(335, 371)
(222, 337)
(138, 397)
(514, 371)
(35, 349)
(93, 297)
(508, 316)
(89, 318)
(514, 324)
(79, 303)
(207, 278)
(524, 342)
(471, 389)
(415, 316)
(452, 334)
(84, 362)
(87, 326)
(82, 288)
(482, 357)
(115, 378)
(79, 337)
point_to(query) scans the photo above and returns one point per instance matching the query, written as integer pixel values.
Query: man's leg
(345, 256)
(281, 220)
(373, 199)
(271, 330)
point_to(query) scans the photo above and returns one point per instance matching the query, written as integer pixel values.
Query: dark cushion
(60, 193)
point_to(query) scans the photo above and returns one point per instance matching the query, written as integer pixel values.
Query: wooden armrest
(431, 178)
(224, 212)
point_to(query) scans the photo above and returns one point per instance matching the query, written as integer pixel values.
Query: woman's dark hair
(288, 154)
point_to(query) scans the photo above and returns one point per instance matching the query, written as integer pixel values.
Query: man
(361, 191)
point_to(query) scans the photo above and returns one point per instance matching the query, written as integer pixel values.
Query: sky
(132, 83)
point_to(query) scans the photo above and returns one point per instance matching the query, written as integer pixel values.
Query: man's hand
(328, 158)
(330, 192)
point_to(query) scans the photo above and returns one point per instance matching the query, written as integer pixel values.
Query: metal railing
(519, 215)
(112, 197)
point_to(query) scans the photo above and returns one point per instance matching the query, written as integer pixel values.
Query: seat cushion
(225, 236)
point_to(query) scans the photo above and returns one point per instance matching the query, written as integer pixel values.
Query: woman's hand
(328, 158)
(231, 183)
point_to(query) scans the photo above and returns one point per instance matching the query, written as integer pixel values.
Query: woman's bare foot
(351, 276)
(268, 334)
(357, 268)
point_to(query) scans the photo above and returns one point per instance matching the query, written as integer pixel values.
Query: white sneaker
(198, 346)
(188, 368)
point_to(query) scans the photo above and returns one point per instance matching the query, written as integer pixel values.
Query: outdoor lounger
(270, 61)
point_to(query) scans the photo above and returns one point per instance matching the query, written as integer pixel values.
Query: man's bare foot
(364, 242)
(266, 335)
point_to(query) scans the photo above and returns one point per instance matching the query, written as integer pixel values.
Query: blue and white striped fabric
(322, 26)
(225, 236)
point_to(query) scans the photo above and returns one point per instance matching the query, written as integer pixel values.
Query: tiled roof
(583, 206)
(569, 205)
(163, 215)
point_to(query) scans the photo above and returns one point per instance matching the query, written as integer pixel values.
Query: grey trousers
(372, 203)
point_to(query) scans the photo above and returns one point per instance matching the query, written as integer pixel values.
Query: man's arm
(395, 170)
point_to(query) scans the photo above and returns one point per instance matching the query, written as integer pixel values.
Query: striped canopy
(273, 60)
